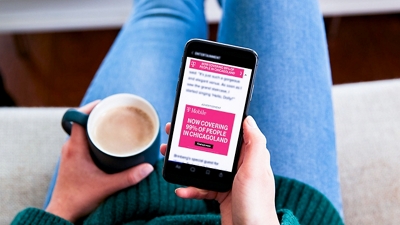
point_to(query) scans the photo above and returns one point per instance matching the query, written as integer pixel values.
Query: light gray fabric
(367, 117)
(30, 143)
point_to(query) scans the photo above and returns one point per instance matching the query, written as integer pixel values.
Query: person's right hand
(81, 186)
(252, 198)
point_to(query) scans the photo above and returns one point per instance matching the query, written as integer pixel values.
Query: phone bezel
(229, 54)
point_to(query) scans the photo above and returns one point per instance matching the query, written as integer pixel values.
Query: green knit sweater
(154, 202)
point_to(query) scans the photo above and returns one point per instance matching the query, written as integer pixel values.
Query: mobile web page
(209, 114)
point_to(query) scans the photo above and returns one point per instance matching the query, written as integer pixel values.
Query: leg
(292, 95)
(145, 58)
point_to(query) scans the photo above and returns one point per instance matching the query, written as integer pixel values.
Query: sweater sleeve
(305, 203)
(33, 216)
(286, 217)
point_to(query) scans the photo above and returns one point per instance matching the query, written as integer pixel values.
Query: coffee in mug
(123, 131)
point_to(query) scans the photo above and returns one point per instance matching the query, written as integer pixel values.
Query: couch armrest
(30, 144)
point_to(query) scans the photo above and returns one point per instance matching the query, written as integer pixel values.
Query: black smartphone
(212, 96)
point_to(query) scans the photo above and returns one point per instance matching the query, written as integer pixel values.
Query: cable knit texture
(154, 202)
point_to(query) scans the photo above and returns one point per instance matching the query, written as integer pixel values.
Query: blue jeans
(292, 95)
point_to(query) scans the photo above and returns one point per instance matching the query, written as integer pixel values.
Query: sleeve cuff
(33, 216)
(286, 217)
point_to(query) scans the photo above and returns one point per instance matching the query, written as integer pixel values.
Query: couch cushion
(30, 143)
(367, 117)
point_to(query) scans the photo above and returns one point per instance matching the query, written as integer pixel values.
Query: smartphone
(212, 97)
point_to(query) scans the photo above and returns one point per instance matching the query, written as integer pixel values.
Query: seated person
(295, 181)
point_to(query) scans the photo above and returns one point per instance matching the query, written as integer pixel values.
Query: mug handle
(73, 115)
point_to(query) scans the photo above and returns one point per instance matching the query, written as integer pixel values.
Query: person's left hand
(81, 186)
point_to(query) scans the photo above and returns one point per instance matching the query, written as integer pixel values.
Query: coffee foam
(123, 130)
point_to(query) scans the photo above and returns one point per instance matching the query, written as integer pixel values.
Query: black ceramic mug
(123, 131)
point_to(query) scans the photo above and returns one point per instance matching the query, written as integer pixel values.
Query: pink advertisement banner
(216, 68)
(206, 130)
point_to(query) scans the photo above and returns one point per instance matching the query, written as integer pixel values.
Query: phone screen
(213, 93)
(209, 114)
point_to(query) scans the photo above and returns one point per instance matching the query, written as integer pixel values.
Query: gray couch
(367, 117)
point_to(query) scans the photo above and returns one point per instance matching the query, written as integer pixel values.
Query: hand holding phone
(252, 198)
(213, 93)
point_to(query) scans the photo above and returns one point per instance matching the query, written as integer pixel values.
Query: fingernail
(251, 121)
(146, 170)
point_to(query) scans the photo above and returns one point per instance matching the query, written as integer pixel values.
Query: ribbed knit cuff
(286, 217)
(33, 216)
(306, 203)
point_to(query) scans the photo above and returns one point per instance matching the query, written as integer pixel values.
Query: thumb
(131, 176)
(252, 136)
(254, 146)
(78, 132)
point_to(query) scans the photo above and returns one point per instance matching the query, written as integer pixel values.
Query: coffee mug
(123, 131)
